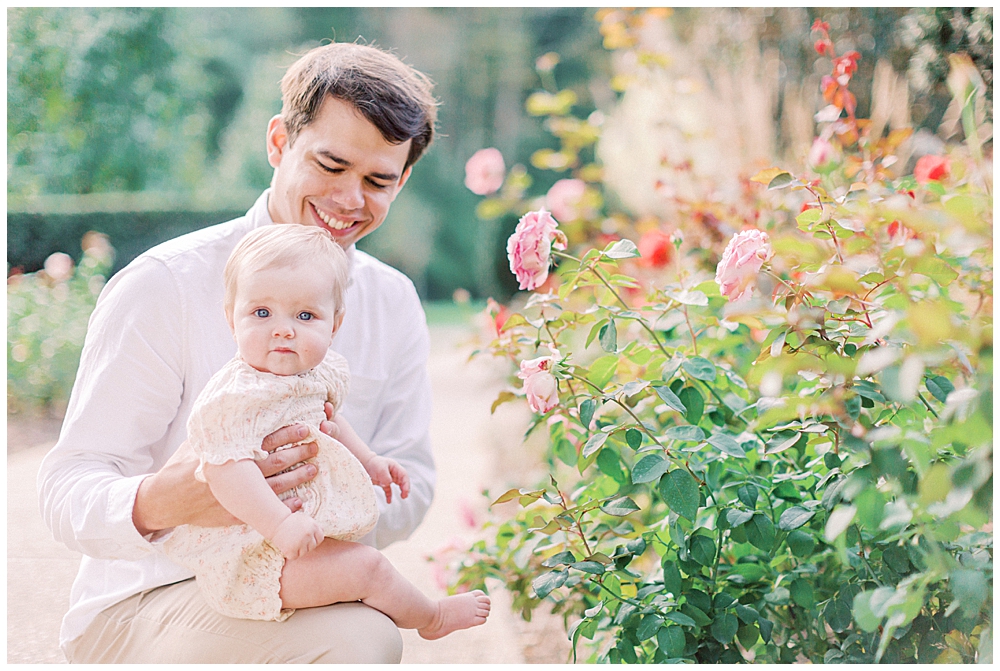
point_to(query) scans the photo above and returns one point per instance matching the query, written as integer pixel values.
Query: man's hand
(171, 496)
(297, 535)
(385, 471)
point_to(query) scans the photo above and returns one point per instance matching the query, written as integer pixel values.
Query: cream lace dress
(237, 569)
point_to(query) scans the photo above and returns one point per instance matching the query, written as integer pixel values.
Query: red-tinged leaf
(503, 397)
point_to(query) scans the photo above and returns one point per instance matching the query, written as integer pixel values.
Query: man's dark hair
(393, 96)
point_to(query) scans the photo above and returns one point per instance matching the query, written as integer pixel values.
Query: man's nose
(350, 195)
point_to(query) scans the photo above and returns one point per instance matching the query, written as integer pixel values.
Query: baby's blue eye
(305, 316)
(262, 312)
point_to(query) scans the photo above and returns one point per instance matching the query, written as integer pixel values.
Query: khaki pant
(173, 624)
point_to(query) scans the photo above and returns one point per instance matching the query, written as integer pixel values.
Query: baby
(284, 303)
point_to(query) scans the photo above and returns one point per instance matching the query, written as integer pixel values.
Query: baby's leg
(340, 571)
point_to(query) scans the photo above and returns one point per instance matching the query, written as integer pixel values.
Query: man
(354, 120)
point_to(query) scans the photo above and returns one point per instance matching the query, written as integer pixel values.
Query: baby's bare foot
(457, 612)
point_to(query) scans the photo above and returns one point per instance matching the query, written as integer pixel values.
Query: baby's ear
(338, 319)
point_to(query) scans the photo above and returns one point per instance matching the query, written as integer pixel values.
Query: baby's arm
(241, 489)
(382, 470)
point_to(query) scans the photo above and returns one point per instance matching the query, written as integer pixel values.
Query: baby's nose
(283, 330)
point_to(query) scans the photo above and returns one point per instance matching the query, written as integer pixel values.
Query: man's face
(339, 173)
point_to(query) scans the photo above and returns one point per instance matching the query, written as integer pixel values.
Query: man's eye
(378, 185)
(262, 312)
(327, 168)
(305, 316)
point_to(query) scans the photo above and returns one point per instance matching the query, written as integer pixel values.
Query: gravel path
(473, 450)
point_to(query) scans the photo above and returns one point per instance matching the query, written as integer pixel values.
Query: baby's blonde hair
(287, 245)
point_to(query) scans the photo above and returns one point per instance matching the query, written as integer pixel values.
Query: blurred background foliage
(159, 113)
(146, 122)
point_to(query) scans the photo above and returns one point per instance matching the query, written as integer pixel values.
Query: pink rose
(531, 245)
(821, 153)
(484, 172)
(563, 199)
(931, 168)
(540, 385)
(59, 266)
(742, 260)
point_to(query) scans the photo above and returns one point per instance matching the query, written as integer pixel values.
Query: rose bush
(47, 314)
(791, 464)
(485, 171)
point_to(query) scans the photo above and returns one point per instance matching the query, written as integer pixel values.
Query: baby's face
(284, 318)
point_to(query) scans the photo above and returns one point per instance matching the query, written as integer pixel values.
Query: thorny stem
(694, 340)
(627, 409)
(555, 344)
(576, 522)
(593, 268)
(926, 404)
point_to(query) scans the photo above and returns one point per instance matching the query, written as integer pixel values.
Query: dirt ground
(473, 450)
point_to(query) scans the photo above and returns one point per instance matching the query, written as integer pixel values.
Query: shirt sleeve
(402, 426)
(128, 389)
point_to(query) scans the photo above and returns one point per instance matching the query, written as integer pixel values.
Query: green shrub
(47, 315)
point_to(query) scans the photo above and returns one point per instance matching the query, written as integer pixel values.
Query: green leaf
(971, 589)
(697, 614)
(838, 615)
(680, 492)
(602, 369)
(760, 532)
(895, 558)
(671, 641)
(609, 337)
(634, 438)
(863, 613)
(794, 517)
(545, 583)
(724, 628)
(622, 249)
(939, 387)
(780, 181)
(702, 549)
(694, 402)
(699, 368)
(587, 409)
(672, 578)
(685, 432)
(649, 626)
(800, 543)
(765, 629)
(594, 443)
(649, 468)
(669, 397)
(593, 567)
(727, 444)
(609, 463)
(802, 593)
(620, 507)
(747, 493)
(681, 619)
(748, 635)
(738, 517)
(565, 557)
(747, 614)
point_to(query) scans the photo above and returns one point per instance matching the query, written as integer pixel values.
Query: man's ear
(277, 140)
(402, 179)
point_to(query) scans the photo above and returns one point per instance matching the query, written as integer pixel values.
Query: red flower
(821, 25)
(656, 249)
(822, 47)
(845, 65)
(931, 168)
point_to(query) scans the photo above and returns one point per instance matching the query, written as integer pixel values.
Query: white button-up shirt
(157, 335)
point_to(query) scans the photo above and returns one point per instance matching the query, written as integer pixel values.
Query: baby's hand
(297, 535)
(385, 471)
